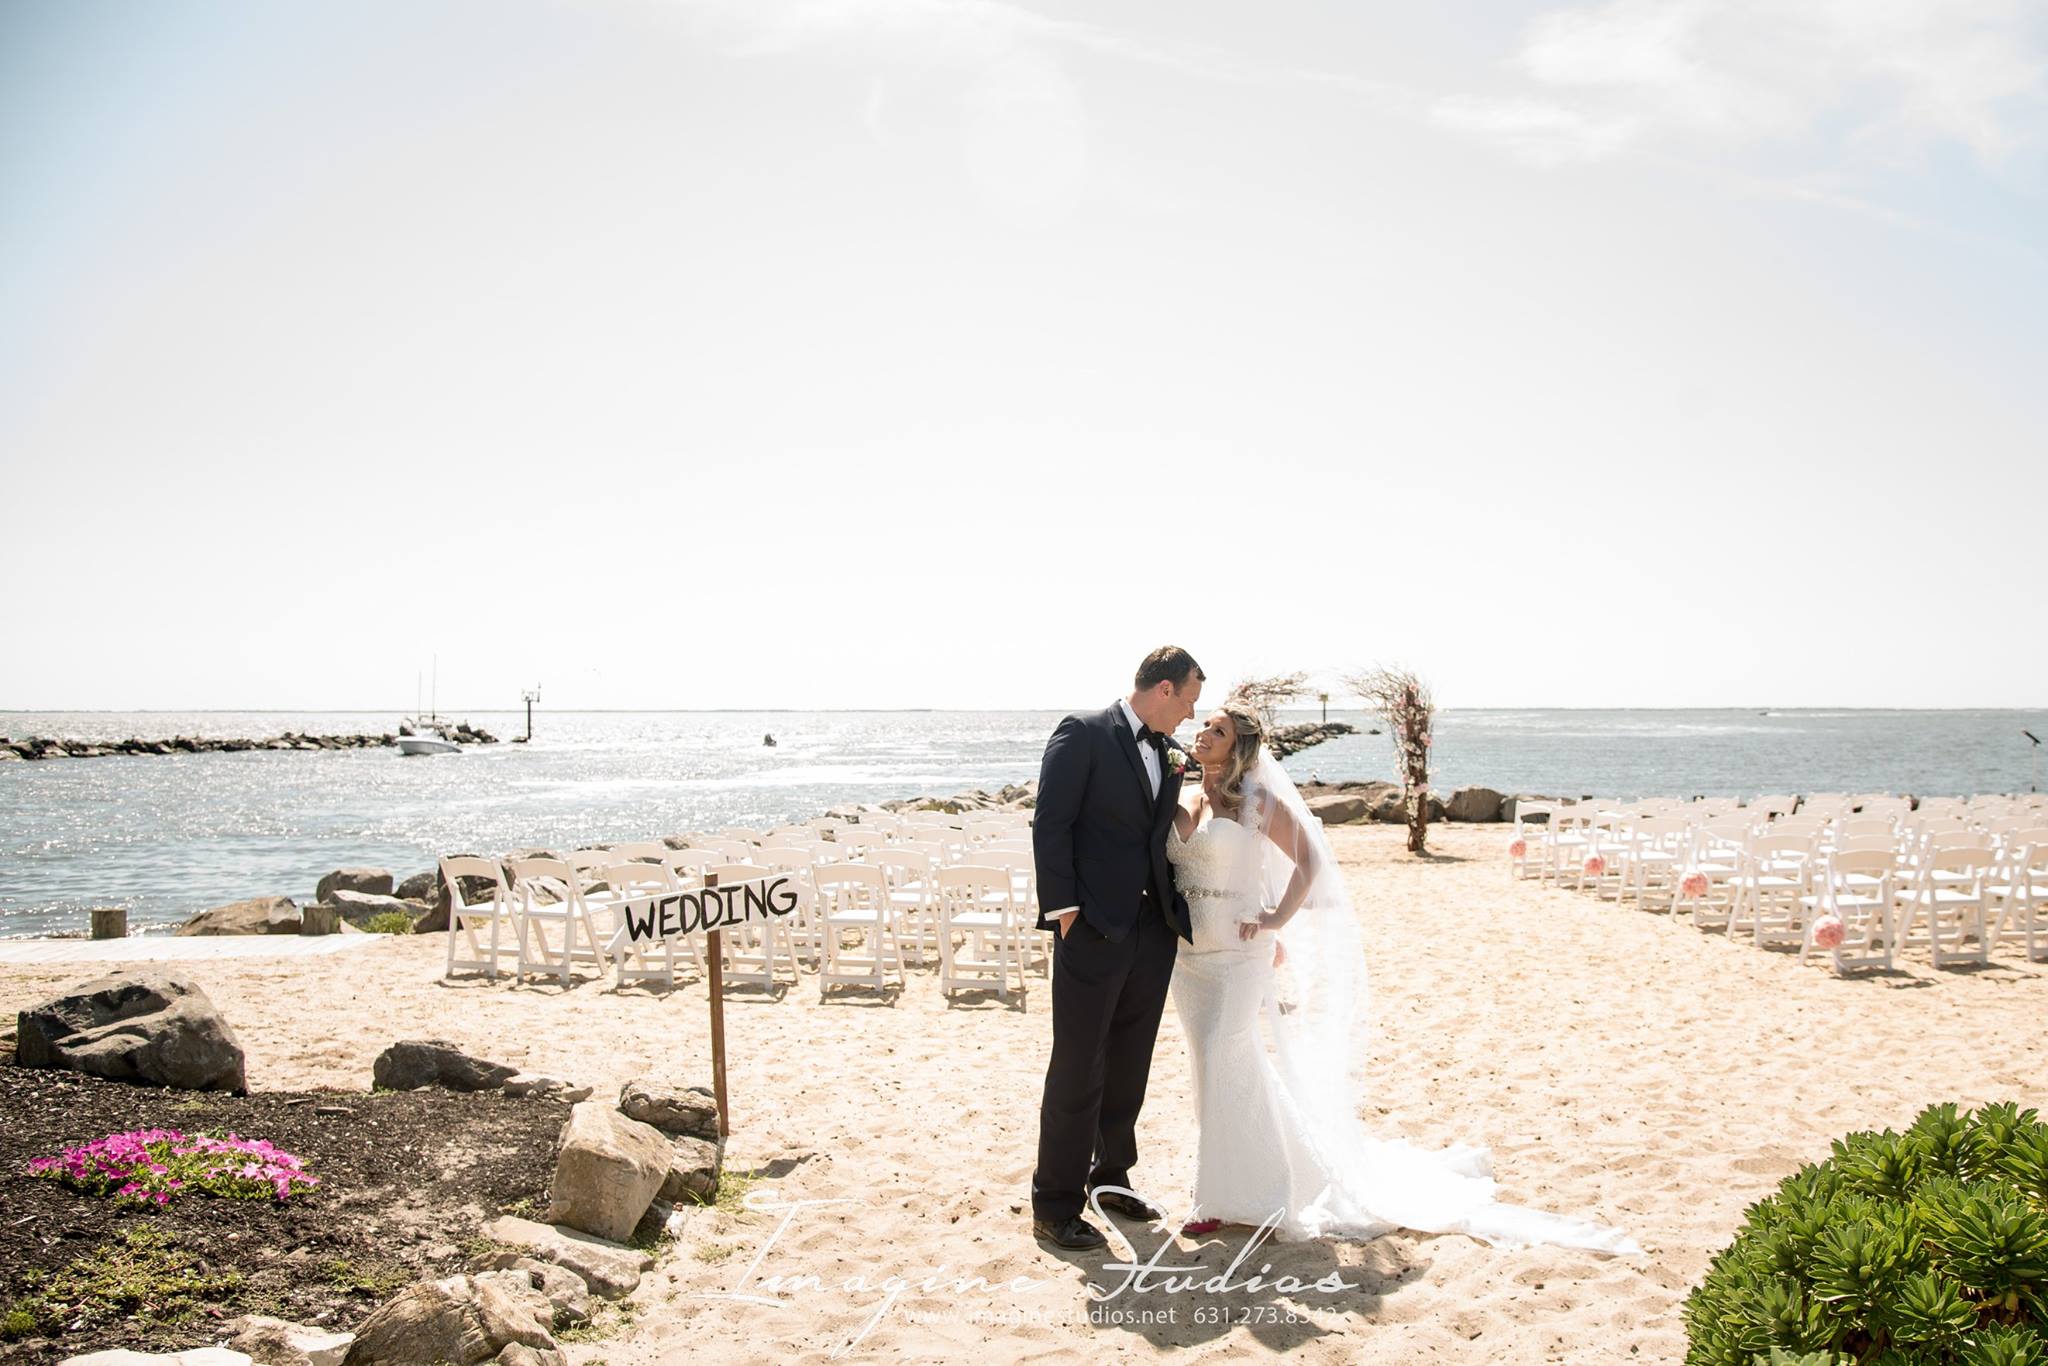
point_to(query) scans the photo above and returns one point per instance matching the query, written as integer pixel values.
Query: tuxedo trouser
(1107, 996)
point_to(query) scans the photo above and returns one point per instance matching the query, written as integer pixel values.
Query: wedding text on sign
(709, 908)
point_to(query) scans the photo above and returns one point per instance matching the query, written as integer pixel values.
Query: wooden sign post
(716, 960)
(705, 910)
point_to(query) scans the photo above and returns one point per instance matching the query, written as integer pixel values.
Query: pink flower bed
(152, 1165)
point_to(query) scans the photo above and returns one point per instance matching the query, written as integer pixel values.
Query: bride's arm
(1293, 841)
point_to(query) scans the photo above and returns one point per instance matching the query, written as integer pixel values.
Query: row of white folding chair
(1943, 901)
(581, 894)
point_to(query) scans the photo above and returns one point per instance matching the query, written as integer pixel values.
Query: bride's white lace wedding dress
(1268, 1154)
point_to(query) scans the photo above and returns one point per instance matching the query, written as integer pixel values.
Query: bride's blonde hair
(1243, 754)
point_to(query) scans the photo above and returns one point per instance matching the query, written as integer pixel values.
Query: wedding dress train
(1269, 1149)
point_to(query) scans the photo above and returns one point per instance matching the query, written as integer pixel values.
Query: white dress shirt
(1148, 755)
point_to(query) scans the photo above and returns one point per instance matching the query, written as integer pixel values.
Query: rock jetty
(38, 747)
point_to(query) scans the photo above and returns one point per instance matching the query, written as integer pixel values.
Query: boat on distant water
(422, 733)
(427, 742)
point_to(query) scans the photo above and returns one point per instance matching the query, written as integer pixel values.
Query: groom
(1106, 795)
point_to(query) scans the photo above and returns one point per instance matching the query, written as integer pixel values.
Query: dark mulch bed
(408, 1178)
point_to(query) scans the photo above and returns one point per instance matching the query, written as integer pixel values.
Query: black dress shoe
(1073, 1233)
(1129, 1206)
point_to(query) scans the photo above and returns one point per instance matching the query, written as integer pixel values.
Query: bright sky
(909, 353)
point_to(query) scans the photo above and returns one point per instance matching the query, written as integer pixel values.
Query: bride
(1280, 1142)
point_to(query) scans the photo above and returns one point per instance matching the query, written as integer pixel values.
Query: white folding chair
(630, 881)
(805, 934)
(466, 917)
(1943, 907)
(1854, 886)
(547, 893)
(2019, 892)
(911, 897)
(1775, 874)
(976, 905)
(853, 898)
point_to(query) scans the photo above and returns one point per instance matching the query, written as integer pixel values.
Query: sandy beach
(1619, 1065)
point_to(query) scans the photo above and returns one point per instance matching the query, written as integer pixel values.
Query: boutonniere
(1177, 760)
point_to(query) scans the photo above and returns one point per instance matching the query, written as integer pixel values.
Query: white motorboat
(421, 733)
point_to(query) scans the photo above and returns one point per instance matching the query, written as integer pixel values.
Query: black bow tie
(1149, 736)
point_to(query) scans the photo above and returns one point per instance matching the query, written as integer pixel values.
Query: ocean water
(166, 836)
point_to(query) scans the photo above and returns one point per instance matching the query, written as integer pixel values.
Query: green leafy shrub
(389, 922)
(1927, 1248)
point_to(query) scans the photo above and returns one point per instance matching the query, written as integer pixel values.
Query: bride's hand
(1246, 929)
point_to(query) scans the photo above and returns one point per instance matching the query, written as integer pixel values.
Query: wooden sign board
(705, 910)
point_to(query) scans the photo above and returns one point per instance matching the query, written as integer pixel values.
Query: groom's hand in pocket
(1066, 920)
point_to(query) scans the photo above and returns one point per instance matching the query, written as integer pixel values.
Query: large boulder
(1389, 807)
(1473, 804)
(461, 1320)
(421, 887)
(692, 1171)
(611, 1271)
(684, 1110)
(259, 915)
(608, 1169)
(360, 908)
(275, 1342)
(412, 1063)
(1340, 808)
(567, 1294)
(153, 1027)
(372, 881)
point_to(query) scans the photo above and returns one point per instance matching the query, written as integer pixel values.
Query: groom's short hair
(1169, 664)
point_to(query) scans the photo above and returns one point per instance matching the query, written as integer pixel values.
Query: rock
(359, 908)
(258, 915)
(412, 1063)
(461, 1320)
(608, 1169)
(274, 1342)
(1340, 808)
(1511, 807)
(519, 1354)
(153, 1027)
(565, 1290)
(421, 887)
(612, 1272)
(1286, 740)
(546, 1088)
(191, 1356)
(672, 1109)
(1388, 805)
(692, 1171)
(1473, 804)
(373, 881)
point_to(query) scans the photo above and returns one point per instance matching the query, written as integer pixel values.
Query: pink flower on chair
(1595, 866)
(1693, 886)
(1519, 849)
(1827, 932)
